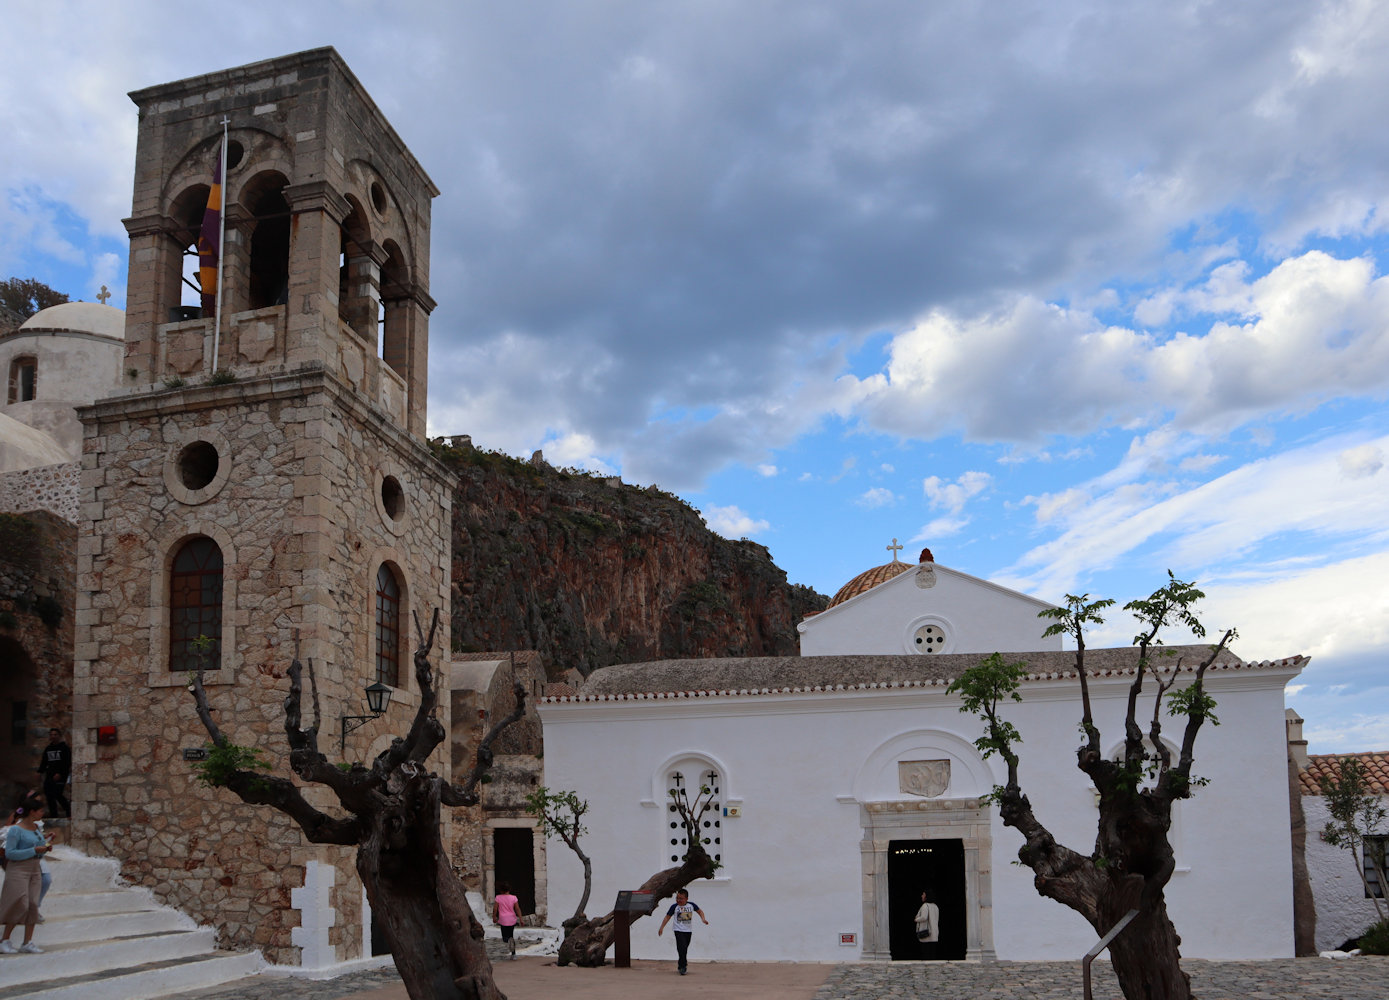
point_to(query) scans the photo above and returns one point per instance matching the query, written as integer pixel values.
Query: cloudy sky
(1073, 292)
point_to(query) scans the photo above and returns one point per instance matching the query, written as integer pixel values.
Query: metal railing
(1101, 945)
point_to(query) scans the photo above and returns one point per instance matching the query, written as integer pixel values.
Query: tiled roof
(774, 675)
(1376, 764)
(867, 580)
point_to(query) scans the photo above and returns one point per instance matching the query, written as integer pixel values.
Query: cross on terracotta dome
(894, 548)
(105, 294)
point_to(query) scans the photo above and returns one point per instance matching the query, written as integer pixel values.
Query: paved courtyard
(537, 978)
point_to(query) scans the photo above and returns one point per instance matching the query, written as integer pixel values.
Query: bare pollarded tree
(1132, 860)
(391, 813)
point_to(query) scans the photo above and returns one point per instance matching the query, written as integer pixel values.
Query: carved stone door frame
(931, 819)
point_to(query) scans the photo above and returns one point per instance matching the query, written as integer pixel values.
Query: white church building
(847, 783)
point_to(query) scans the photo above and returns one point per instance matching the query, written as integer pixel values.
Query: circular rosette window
(929, 636)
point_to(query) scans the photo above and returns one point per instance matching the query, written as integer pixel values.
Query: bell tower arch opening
(267, 267)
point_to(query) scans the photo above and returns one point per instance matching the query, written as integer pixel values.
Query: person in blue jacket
(19, 901)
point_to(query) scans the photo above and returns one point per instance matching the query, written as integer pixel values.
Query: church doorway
(513, 863)
(936, 867)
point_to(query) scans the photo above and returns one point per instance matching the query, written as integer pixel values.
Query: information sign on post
(631, 903)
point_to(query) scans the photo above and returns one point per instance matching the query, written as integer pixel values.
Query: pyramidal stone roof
(1319, 765)
(766, 675)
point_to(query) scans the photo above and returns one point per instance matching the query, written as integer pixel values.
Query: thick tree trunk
(1147, 959)
(587, 943)
(420, 904)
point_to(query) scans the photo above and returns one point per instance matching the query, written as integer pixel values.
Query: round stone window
(197, 464)
(391, 501)
(392, 497)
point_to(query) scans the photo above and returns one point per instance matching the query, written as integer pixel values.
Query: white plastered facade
(814, 777)
(969, 615)
(1344, 911)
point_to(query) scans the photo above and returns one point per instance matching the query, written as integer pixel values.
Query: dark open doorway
(938, 868)
(513, 863)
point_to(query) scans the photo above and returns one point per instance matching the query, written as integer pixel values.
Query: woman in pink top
(506, 913)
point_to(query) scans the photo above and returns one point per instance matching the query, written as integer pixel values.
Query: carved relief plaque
(927, 778)
(926, 576)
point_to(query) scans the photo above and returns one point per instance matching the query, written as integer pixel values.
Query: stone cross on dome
(105, 294)
(894, 548)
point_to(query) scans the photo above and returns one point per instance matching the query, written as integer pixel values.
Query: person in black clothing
(55, 768)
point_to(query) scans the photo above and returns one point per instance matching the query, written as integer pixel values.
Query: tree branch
(465, 794)
(1199, 712)
(283, 794)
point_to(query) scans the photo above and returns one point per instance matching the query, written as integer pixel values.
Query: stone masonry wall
(517, 767)
(36, 633)
(49, 487)
(297, 510)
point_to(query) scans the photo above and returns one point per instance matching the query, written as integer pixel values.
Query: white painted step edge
(104, 926)
(146, 984)
(85, 959)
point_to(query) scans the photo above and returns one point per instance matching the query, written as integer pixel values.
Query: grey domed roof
(86, 317)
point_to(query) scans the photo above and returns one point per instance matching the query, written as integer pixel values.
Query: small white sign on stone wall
(927, 778)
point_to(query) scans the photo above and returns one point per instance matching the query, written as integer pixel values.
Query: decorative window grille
(195, 604)
(703, 800)
(1372, 854)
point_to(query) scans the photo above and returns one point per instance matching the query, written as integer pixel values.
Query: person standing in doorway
(928, 926)
(684, 913)
(506, 913)
(55, 768)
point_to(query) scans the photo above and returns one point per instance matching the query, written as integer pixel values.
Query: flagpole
(221, 248)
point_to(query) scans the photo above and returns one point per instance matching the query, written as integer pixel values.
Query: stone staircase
(105, 941)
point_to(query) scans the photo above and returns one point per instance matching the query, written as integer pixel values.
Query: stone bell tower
(265, 485)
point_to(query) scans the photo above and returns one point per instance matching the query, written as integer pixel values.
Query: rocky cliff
(590, 571)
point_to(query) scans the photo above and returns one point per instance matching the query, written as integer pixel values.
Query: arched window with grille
(697, 787)
(387, 627)
(195, 605)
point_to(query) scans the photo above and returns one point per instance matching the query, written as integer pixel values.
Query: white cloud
(576, 451)
(1053, 505)
(1315, 327)
(1208, 525)
(1200, 463)
(876, 497)
(731, 522)
(1361, 461)
(941, 527)
(767, 471)
(945, 495)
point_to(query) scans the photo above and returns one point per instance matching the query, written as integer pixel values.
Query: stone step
(142, 982)
(59, 904)
(73, 871)
(88, 957)
(56, 930)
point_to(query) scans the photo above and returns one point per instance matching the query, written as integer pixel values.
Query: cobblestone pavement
(1284, 979)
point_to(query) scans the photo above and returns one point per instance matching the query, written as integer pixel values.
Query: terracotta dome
(867, 580)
